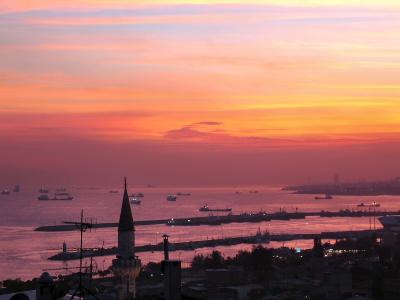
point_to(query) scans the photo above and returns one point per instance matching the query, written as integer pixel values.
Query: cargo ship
(171, 198)
(205, 208)
(58, 196)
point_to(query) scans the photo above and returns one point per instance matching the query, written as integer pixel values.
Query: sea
(24, 252)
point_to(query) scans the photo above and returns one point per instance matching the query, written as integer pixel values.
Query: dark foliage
(258, 261)
(214, 260)
(17, 285)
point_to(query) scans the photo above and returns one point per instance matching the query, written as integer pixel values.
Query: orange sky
(267, 75)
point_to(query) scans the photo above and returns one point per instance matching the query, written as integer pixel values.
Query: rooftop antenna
(81, 290)
(65, 268)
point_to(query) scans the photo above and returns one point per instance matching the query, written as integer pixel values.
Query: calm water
(24, 252)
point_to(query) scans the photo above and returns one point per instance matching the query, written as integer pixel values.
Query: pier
(230, 218)
(259, 238)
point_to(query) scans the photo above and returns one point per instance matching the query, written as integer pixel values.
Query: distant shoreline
(376, 188)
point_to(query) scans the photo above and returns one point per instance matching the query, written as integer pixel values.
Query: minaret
(126, 229)
(126, 266)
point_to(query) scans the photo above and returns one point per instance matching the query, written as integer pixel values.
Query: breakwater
(259, 238)
(230, 218)
(69, 226)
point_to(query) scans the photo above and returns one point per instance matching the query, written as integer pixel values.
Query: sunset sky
(199, 92)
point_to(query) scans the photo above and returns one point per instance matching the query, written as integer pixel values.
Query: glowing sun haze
(199, 92)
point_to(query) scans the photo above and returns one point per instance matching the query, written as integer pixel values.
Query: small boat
(375, 204)
(44, 197)
(62, 196)
(183, 194)
(253, 192)
(137, 195)
(136, 201)
(17, 188)
(326, 197)
(113, 192)
(171, 198)
(43, 191)
(361, 204)
(5, 192)
(205, 208)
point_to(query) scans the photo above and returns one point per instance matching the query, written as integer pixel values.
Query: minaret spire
(125, 217)
(126, 266)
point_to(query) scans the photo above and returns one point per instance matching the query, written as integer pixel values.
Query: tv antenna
(81, 290)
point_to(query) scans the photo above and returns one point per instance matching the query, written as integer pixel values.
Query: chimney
(172, 274)
(166, 247)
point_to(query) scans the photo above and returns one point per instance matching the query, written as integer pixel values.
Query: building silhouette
(172, 274)
(126, 266)
(45, 287)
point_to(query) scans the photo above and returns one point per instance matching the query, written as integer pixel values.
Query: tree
(260, 262)
(215, 260)
(198, 262)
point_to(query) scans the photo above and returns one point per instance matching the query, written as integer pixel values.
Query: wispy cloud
(210, 123)
(21, 5)
(261, 70)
